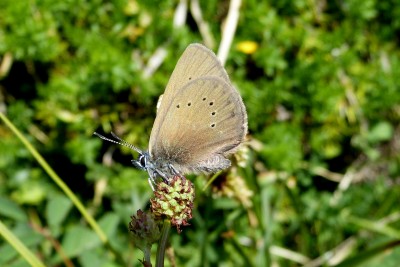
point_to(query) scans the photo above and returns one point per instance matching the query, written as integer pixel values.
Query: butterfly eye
(142, 161)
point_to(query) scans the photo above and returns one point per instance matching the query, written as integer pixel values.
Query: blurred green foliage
(321, 87)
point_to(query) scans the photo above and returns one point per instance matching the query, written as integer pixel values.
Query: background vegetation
(317, 183)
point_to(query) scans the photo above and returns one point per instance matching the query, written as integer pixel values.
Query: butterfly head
(142, 162)
(156, 170)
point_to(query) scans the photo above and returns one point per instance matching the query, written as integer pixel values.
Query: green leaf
(11, 209)
(109, 223)
(57, 209)
(382, 131)
(79, 239)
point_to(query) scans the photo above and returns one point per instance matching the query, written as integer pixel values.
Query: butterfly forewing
(203, 123)
(196, 61)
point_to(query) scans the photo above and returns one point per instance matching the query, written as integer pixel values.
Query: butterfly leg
(173, 170)
(163, 176)
(156, 173)
(151, 183)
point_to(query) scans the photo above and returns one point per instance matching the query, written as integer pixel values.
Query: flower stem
(162, 244)
(147, 259)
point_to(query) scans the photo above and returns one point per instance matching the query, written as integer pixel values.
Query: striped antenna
(119, 142)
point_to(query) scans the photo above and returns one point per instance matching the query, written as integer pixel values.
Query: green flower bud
(145, 230)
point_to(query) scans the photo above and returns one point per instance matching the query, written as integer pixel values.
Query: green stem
(19, 246)
(212, 179)
(162, 244)
(147, 259)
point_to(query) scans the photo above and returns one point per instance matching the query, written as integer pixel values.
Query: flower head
(145, 230)
(174, 200)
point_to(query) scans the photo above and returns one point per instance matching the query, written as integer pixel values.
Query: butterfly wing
(196, 61)
(200, 126)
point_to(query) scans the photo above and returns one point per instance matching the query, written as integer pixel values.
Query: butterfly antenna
(119, 142)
